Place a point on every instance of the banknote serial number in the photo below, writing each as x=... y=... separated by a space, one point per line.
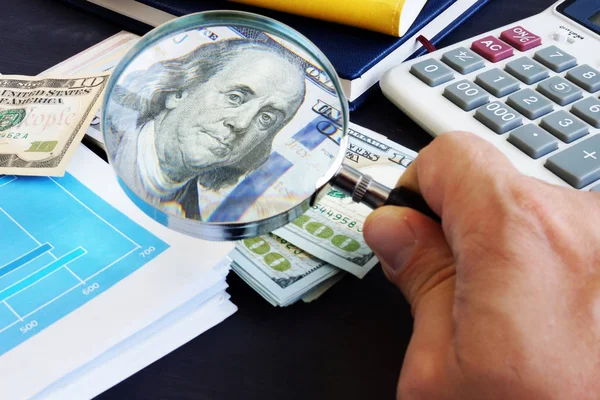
x=290 y=247
x=337 y=217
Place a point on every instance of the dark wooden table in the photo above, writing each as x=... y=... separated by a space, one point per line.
x=347 y=345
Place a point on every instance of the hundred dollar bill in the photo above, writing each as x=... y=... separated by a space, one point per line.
x=332 y=229
x=277 y=270
x=42 y=120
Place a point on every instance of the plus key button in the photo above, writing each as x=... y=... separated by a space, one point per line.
x=492 y=48
x=578 y=165
x=520 y=38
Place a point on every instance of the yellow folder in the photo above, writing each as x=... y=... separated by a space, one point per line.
x=392 y=17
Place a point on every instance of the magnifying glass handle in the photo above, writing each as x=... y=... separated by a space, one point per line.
x=364 y=189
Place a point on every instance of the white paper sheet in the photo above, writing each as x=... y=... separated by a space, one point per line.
x=172 y=279
x=174 y=331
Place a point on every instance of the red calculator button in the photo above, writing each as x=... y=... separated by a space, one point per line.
x=520 y=38
x=492 y=48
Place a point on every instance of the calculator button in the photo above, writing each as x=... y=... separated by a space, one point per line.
x=533 y=140
x=578 y=165
x=555 y=59
x=565 y=126
x=463 y=60
x=526 y=70
x=498 y=117
x=560 y=91
x=595 y=189
x=529 y=103
x=466 y=95
x=432 y=72
x=497 y=82
x=520 y=38
x=492 y=49
x=586 y=77
x=588 y=110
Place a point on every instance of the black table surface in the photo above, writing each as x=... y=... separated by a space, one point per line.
x=349 y=344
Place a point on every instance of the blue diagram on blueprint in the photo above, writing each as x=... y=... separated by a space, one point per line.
x=61 y=246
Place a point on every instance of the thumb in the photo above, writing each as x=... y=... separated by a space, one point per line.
x=415 y=256
x=412 y=250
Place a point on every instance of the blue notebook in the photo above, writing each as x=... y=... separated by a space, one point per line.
x=359 y=56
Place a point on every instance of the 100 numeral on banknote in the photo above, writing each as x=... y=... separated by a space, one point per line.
x=42 y=120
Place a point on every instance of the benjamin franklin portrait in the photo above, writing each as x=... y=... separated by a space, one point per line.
x=203 y=120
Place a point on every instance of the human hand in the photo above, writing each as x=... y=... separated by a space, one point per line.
x=505 y=293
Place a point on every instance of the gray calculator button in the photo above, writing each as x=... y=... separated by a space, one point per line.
x=466 y=95
x=497 y=82
x=588 y=110
x=533 y=140
x=526 y=70
x=559 y=90
x=555 y=59
x=463 y=60
x=432 y=72
x=498 y=117
x=578 y=165
x=586 y=77
x=595 y=189
x=529 y=103
x=565 y=126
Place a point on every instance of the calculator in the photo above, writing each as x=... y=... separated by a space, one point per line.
x=531 y=88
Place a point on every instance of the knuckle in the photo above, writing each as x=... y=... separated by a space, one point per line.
x=457 y=136
x=466 y=150
x=445 y=143
x=459 y=141
x=463 y=161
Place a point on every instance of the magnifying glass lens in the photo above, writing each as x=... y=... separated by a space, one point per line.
x=223 y=125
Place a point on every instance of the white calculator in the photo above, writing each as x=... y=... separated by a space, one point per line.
x=531 y=88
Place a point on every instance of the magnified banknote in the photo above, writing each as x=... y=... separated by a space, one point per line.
x=42 y=120
x=227 y=124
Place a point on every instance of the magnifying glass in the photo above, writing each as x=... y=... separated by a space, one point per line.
x=226 y=125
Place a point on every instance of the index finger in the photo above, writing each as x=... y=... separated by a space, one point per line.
x=458 y=174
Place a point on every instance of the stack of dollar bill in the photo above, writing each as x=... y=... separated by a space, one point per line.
x=299 y=261
x=305 y=258
x=281 y=272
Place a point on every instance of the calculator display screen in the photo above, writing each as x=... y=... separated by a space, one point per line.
x=582 y=12
x=595 y=19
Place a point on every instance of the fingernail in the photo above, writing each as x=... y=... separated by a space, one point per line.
x=391 y=237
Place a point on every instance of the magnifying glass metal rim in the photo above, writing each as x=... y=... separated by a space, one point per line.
x=232 y=230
